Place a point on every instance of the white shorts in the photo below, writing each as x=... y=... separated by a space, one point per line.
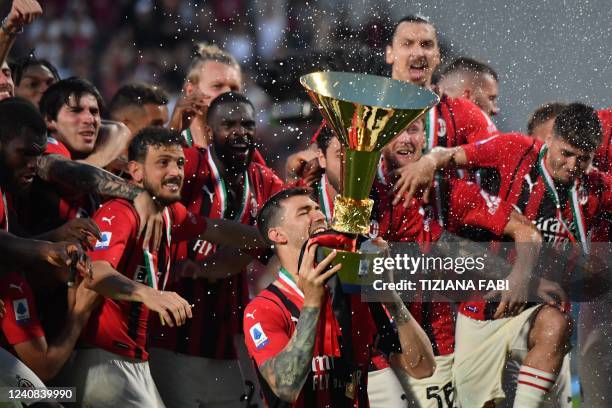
x=385 y=390
x=107 y=380
x=432 y=392
x=190 y=382
x=482 y=348
x=15 y=374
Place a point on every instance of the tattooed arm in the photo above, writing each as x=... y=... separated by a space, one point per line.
x=417 y=358
x=84 y=178
x=286 y=372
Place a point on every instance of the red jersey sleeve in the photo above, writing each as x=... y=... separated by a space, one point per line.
x=266 y=329
x=196 y=170
x=185 y=224
x=20 y=322
x=258 y=158
x=270 y=182
x=472 y=206
x=54 y=146
x=490 y=152
x=117 y=226
x=472 y=124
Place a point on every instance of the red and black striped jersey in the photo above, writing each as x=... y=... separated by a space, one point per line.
x=122 y=327
x=269 y=323
x=456 y=121
x=526 y=184
x=219 y=304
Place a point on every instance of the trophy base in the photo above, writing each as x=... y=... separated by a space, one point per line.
x=352 y=216
x=357 y=267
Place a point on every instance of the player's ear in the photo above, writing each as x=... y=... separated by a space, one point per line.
x=277 y=235
x=51 y=125
x=389 y=58
x=189 y=88
x=466 y=93
x=136 y=171
x=321 y=158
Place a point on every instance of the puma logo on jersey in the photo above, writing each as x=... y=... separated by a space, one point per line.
x=108 y=219
x=18 y=287
x=530 y=183
x=251 y=315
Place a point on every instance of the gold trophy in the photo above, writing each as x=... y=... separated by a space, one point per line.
x=366 y=112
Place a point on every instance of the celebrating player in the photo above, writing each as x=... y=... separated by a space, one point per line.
x=221 y=181
x=133 y=280
x=550 y=185
x=291 y=331
x=471 y=79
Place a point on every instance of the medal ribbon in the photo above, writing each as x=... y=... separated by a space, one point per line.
x=324 y=198
x=151 y=258
x=431 y=136
x=188 y=137
x=574 y=203
x=380 y=172
x=288 y=280
x=221 y=190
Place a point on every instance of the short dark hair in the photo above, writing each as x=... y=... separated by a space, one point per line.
x=411 y=18
x=579 y=125
x=324 y=138
x=151 y=136
x=228 y=97
x=57 y=95
x=138 y=94
x=20 y=65
x=18 y=115
x=470 y=65
x=269 y=214
x=544 y=113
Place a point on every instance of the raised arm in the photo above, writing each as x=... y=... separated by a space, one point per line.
x=232 y=233
x=287 y=371
x=418 y=176
x=84 y=178
x=113 y=139
x=23 y=12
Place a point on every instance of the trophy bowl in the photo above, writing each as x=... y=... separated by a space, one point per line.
x=366 y=112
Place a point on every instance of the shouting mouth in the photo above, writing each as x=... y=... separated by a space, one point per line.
x=174 y=185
